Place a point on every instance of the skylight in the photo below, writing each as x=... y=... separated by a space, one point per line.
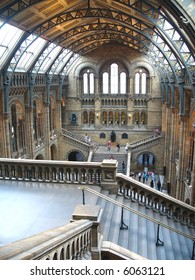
x=9 y=36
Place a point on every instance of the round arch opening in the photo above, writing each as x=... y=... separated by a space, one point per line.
x=146 y=159
x=75 y=156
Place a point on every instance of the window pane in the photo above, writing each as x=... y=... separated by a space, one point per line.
x=50 y=57
x=85 y=83
x=144 y=83
x=137 y=78
x=105 y=82
x=9 y=36
x=91 y=82
x=114 y=78
x=30 y=54
x=123 y=83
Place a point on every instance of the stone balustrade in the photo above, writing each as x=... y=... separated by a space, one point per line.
x=156 y=200
x=69 y=242
x=154 y=139
x=68 y=172
x=103 y=174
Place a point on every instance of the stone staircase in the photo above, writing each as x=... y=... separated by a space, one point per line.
x=141 y=235
x=102 y=153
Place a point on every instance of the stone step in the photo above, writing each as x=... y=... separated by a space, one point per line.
x=141 y=235
x=115 y=225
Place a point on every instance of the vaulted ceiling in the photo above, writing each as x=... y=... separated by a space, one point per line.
x=161 y=30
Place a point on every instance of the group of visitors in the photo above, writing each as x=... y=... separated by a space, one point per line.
x=145 y=176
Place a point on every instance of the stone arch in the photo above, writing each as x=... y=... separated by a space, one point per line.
x=145 y=158
x=122 y=62
x=84 y=65
x=39 y=157
x=76 y=155
x=142 y=64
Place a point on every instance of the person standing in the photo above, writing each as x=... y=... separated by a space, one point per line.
x=127 y=147
x=108 y=146
x=139 y=176
x=117 y=147
x=159 y=185
x=123 y=167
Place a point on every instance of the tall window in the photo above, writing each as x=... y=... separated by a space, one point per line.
x=123 y=83
x=114 y=81
x=105 y=83
x=88 y=82
x=114 y=78
x=140 y=82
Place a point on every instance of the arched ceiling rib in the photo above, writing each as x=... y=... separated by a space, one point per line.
x=82 y=26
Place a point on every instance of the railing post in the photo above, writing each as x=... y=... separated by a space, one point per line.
x=123 y=225
x=109 y=169
x=83 y=192
x=193 y=251
x=158 y=241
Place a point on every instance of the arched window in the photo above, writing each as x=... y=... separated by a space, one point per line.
x=137 y=85
x=114 y=79
x=88 y=82
x=140 y=82
x=123 y=83
x=105 y=83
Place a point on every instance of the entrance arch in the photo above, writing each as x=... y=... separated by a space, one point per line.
x=146 y=159
x=75 y=156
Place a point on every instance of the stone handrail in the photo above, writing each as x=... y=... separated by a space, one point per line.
x=150 y=140
x=156 y=220
x=76 y=140
x=156 y=200
x=69 y=242
x=51 y=171
x=103 y=174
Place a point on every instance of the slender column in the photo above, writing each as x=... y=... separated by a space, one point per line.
x=128 y=169
x=171 y=176
x=58 y=107
x=163 y=91
x=46 y=131
x=167 y=142
x=166 y=93
x=172 y=88
x=29 y=131
x=6 y=131
x=193 y=177
x=180 y=192
x=7 y=143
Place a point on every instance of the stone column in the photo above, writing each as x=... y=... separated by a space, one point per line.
x=109 y=168
x=193 y=178
x=46 y=131
x=6 y=149
x=29 y=131
x=167 y=142
x=180 y=191
x=171 y=176
x=58 y=116
x=128 y=169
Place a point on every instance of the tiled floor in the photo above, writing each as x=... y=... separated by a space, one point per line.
x=27 y=208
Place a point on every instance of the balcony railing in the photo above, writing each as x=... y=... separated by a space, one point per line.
x=103 y=174
x=69 y=242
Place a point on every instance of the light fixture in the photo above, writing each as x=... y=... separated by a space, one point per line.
x=129 y=116
x=97 y=115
